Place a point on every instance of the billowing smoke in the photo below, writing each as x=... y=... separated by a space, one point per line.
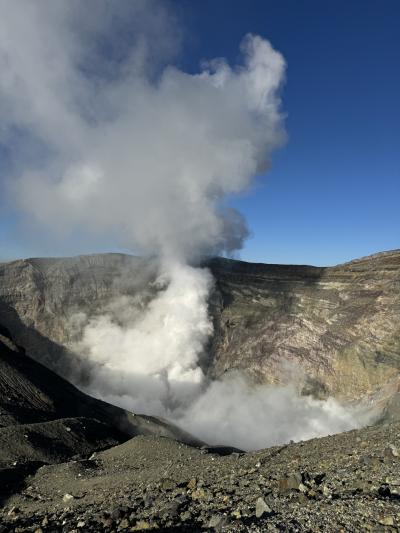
x=107 y=137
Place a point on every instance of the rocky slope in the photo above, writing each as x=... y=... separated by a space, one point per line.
x=347 y=482
x=45 y=419
x=339 y=325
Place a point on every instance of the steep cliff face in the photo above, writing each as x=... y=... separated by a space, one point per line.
x=38 y=297
x=339 y=325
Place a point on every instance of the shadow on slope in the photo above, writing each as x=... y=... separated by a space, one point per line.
x=45 y=419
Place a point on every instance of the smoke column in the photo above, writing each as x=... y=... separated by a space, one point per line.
x=107 y=137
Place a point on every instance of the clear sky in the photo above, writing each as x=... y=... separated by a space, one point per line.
x=333 y=191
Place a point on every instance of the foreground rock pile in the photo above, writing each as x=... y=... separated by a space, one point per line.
x=346 y=482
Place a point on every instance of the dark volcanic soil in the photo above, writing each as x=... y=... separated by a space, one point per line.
x=346 y=482
x=32 y=394
x=46 y=420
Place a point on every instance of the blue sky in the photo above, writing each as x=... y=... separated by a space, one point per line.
x=333 y=191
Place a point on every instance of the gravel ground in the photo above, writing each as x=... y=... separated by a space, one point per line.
x=345 y=482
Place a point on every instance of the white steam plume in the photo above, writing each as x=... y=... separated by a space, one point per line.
x=252 y=417
x=145 y=157
x=108 y=137
x=149 y=360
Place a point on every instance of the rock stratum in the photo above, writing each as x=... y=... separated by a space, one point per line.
x=338 y=325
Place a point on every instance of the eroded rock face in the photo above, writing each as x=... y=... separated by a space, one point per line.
x=38 y=297
x=340 y=325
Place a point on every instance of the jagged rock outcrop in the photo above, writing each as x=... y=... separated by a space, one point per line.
x=340 y=325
